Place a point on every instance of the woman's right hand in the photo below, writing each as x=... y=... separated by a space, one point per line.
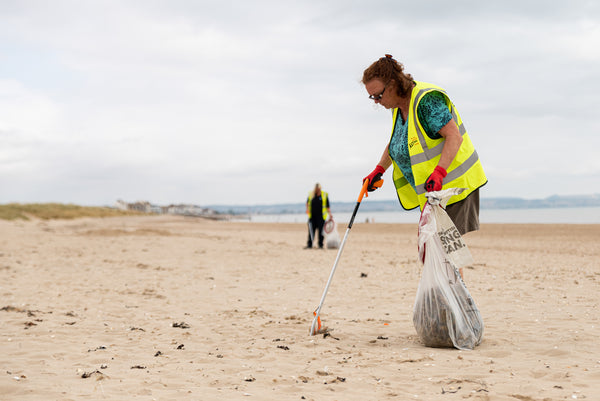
x=374 y=177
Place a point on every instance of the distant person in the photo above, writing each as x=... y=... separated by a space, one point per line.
x=429 y=145
x=317 y=208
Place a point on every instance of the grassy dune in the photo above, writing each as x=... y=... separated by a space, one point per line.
x=47 y=211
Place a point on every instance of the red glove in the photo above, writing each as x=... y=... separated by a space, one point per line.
x=434 y=182
x=374 y=177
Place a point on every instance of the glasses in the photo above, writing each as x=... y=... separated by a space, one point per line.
x=379 y=96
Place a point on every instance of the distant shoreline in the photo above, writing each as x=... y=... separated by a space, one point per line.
x=581 y=215
x=393 y=205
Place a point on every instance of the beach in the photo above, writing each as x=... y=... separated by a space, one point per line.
x=176 y=308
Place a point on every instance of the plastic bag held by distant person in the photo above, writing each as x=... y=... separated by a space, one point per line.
x=332 y=238
x=444 y=314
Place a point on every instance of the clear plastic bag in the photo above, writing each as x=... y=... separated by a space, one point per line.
x=444 y=313
x=332 y=238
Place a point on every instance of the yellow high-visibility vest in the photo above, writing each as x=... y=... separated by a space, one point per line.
x=311 y=195
x=465 y=171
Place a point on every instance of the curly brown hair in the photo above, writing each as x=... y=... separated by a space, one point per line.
x=387 y=69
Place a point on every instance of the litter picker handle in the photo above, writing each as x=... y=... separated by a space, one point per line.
x=363 y=192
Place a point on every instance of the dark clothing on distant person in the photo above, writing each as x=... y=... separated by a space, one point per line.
x=317 y=216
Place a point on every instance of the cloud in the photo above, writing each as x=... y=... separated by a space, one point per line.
x=252 y=102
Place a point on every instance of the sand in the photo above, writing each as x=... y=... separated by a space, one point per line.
x=174 y=308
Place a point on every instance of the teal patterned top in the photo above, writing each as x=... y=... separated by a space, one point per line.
x=433 y=114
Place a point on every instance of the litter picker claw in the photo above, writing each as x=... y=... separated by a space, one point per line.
x=316 y=323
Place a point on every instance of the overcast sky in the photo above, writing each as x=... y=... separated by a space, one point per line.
x=252 y=102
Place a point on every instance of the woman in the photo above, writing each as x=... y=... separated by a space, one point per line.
x=429 y=146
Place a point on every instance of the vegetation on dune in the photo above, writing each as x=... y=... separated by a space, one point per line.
x=47 y=211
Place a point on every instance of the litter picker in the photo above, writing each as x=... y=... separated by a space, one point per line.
x=310 y=232
x=316 y=323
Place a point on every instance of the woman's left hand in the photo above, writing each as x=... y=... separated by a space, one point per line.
x=436 y=179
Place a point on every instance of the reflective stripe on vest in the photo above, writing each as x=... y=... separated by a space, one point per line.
x=465 y=171
x=311 y=195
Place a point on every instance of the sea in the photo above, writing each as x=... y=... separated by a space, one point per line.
x=577 y=215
